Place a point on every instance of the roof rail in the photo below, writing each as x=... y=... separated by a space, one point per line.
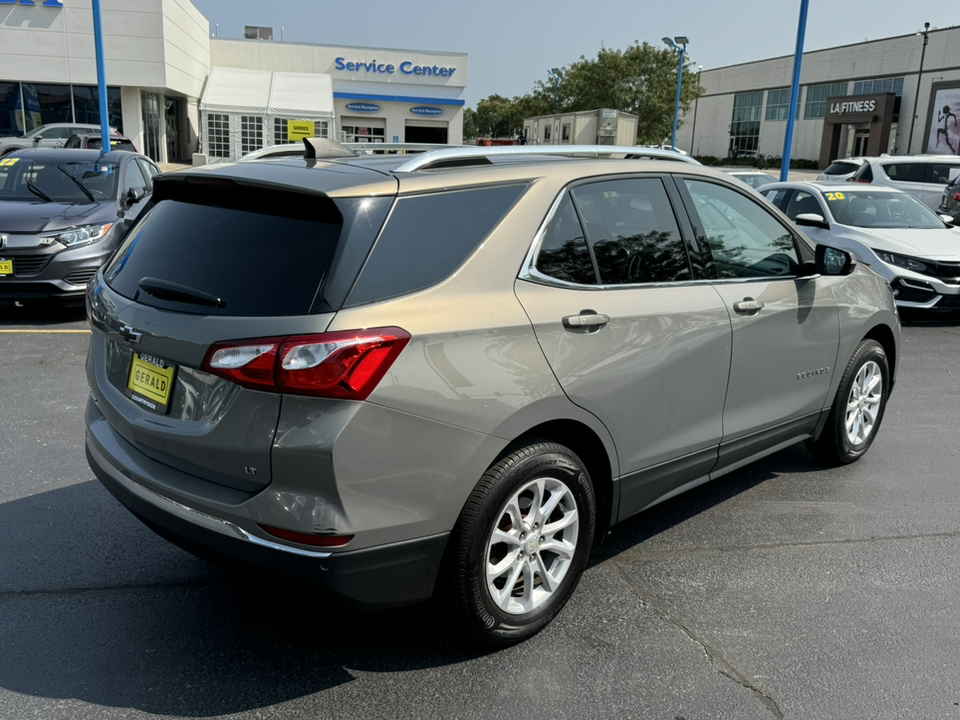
x=460 y=156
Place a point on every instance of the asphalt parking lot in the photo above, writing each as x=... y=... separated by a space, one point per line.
x=783 y=590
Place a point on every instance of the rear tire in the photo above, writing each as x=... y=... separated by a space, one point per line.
x=857 y=409
x=520 y=544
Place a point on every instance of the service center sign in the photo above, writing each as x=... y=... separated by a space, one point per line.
x=45 y=3
x=405 y=68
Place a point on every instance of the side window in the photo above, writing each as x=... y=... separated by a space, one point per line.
x=427 y=237
x=942 y=173
x=803 y=202
x=744 y=239
x=150 y=171
x=133 y=179
x=905 y=172
x=777 y=197
x=563 y=252
x=633 y=232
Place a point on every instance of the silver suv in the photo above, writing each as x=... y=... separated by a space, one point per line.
x=923 y=176
x=448 y=374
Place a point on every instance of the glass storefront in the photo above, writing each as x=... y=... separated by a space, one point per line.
x=48 y=103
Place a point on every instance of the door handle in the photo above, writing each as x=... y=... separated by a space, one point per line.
x=587 y=319
x=748 y=306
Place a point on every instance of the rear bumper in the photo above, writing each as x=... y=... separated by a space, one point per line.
x=386 y=575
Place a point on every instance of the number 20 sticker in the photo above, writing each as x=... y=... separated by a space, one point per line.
x=834 y=195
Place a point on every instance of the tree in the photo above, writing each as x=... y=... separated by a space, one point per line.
x=469 y=123
x=493 y=117
x=641 y=80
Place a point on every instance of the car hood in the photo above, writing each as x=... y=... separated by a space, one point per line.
x=930 y=243
x=35 y=217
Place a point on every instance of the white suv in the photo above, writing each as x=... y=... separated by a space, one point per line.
x=923 y=176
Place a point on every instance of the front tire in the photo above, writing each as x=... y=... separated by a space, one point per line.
x=521 y=543
x=857 y=409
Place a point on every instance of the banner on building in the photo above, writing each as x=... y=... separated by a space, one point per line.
x=943 y=126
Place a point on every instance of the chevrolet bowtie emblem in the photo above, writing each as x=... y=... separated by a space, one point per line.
x=130 y=335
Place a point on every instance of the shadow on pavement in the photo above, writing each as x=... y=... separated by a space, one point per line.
x=41 y=314
x=94 y=607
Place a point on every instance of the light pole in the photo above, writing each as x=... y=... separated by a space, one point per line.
x=679 y=45
x=916 y=97
x=556 y=74
x=696 y=102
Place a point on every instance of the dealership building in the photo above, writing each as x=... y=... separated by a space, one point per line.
x=898 y=95
x=182 y=95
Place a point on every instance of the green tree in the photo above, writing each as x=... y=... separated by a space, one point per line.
x=469 y=123
x=493 y=116
x=641 y=80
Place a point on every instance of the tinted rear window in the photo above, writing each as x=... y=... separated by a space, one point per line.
x=427 y=237
x=841 y=168
x=257 y=264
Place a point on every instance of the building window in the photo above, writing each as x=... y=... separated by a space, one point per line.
x=778 y=103
x=565 y=133
x=280 y=131
x=745 y=127
x=817 y=95
x=879 y=85
x=546 y=132
x=355 y=133
x=251 y=133
x=218 y=135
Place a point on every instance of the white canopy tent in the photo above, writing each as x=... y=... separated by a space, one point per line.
x=245 y=110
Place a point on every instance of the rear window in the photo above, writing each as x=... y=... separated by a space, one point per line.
x=427 y=237
x=864 y=174
x=253 y=262
x=841 y=168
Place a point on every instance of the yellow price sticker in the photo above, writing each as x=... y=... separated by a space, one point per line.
x=834 y=195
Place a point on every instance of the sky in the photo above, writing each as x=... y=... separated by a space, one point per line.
x=510 y=46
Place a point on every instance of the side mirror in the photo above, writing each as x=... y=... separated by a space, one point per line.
x=947 y=219
x=832 y=261
x=37 y=139
x=812 y=220
x=135 y=195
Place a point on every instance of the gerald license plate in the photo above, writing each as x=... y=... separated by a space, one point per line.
x=151 y=382
x=6 y=267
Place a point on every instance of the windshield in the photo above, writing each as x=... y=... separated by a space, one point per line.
x=52 y=180
x=866 y=209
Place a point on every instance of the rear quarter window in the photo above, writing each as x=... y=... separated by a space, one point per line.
x=427 y=237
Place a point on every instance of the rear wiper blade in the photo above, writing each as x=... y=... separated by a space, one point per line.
x=78 y=183
x=38 y=192
x=166 y=290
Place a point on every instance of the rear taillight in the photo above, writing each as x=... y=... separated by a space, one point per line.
x=862 y=181
x=346 y=364
x=956 y=197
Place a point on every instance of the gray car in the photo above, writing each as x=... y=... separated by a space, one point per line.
x=62 y=214
x=447 y=375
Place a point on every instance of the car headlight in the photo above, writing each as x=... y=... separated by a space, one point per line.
x=903 y=261
x=77 y=236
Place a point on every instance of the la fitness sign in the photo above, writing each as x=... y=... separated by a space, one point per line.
x=45 y=3
x=861 y=106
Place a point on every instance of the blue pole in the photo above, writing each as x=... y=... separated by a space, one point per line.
x=794 y=91
x=676 y=109
x=101 y=79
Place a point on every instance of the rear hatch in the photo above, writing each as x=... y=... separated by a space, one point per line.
x=216 y=260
